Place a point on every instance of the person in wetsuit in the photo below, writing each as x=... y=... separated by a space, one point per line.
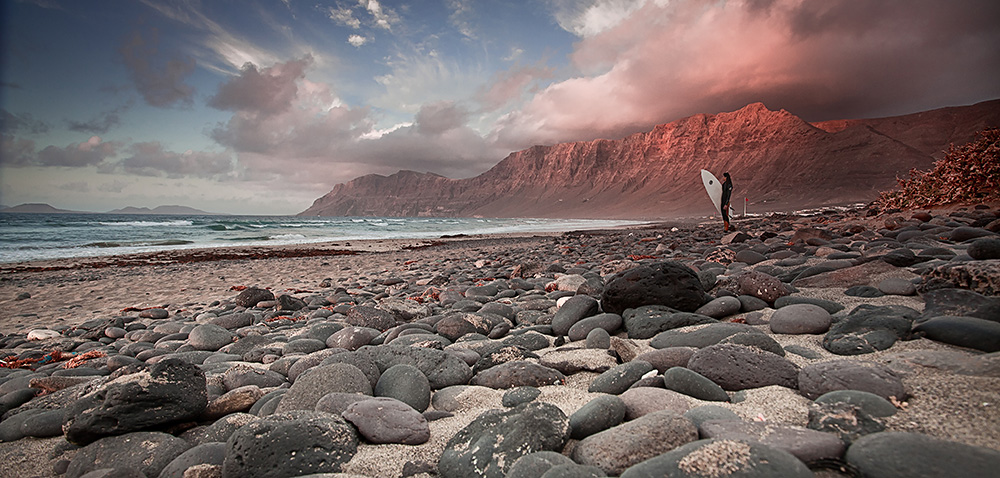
x=727 y=192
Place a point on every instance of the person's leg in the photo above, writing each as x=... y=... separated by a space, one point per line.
x=725 y=217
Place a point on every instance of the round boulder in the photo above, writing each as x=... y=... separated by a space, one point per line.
x=290 y=444
x=903 y=454
x=667 y=283
x=387 y=420
x=405 y=383
x=801 y=319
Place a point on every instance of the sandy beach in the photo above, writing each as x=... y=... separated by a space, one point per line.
x=962 y=406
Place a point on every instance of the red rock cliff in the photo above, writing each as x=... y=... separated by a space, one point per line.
x=776 y=159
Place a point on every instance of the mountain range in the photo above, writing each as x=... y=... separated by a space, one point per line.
x=777 y=160
x=41 y=208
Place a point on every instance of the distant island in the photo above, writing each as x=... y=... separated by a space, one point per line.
x=172 y=209
x=41 y=208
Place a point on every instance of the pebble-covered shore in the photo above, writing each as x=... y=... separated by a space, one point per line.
x=838 y=344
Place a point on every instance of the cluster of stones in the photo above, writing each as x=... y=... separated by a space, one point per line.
x=292 y=385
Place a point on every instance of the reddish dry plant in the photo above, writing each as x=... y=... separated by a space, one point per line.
x=969 y=173
x=638 y=257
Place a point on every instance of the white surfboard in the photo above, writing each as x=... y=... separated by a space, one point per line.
x=714 y=188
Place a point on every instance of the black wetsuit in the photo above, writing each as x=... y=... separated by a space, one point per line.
x=727 y=191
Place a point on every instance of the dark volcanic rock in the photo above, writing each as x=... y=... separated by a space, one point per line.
x=321 y=380
x=645 y=322
x=213 y=453
x=738 y=367
x=807 y=445
x=800 y=319
x=985 y=248
x=819 y=378
x=597 y=415
x=489 y=445
x=903 y=454
x=518 y=373
x=721 y=458
x=572 y=311
x=167 y=392
x=665 y=283
x=250 y=297
x=535 y=465
x=960 y=302
x=364 y=316
x=615 y=449
x=701 y=336
x=978 y=276
x=290 y=444
x=620 y=378
x=407 y=384
x=760 y=285
x=607 y=322
x=694 y=384
x=145 y=452
x=869 y=328
x=441 y=368
x=979 y=334
x=387 y=420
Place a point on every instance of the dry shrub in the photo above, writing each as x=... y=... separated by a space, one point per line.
x=969 y=173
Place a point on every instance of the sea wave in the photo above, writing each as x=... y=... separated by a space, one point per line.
x=176 y=223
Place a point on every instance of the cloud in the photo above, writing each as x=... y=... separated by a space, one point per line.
x=357 y=40
x=92 y=152
x=219 y=49
x=384 y=18
x=23 y=123
x=440 y=117
x=151 y=159
x=268 y=91
x=461 y=17
x=512 y=85
x=115 y=186
x=585 y=18
x=344 y=16
x=76 y=186
x=315 y=140
x=161 y=83
x=819 y=60
x=100 y=124
x=16 y=151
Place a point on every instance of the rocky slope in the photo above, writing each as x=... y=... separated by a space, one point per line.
x=777 y=160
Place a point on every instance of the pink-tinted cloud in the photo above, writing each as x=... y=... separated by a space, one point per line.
x=92 y=152
x=511 y=86
x=159 y=81
x=267 y=91
x=819 y=60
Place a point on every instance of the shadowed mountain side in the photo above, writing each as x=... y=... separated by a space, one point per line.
x=776 y=159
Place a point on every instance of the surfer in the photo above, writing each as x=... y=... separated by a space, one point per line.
x=727 y=191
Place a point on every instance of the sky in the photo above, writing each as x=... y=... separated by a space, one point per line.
x=262 y=106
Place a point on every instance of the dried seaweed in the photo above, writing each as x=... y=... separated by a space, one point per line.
x=969 y=173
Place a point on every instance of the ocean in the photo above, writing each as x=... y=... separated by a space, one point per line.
x=28 y=237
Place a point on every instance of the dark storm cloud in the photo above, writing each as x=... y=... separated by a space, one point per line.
x=819 y=60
